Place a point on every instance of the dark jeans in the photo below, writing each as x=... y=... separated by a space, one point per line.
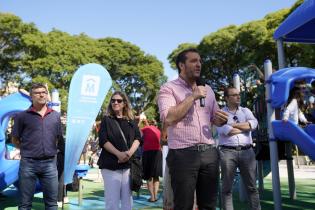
x=194 y=171
x=46 y=172
x=246 y=162
x=61 y=188
x=60 y=168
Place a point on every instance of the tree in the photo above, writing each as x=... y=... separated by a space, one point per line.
x=53 y=58
x=12 y=29
x=172 y=57
x=137 y=74
x=233 y=49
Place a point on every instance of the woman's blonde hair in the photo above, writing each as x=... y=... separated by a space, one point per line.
x=127 y=110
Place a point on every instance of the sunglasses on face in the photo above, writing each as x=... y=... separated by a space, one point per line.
x=116 y=100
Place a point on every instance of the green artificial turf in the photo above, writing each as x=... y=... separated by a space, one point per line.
x=305 y=190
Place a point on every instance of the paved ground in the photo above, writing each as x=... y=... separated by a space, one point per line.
x=303 y=172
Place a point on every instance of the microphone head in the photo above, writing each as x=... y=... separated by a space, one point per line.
x=200 y=81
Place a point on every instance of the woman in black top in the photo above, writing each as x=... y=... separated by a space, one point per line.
x=115 y=155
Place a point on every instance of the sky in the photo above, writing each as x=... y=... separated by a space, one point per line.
x=157 y=27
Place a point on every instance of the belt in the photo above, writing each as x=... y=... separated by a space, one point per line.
x=238 y=148
x=41 y=158
x=200 y=147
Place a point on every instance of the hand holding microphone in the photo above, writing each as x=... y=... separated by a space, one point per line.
x=201 y=91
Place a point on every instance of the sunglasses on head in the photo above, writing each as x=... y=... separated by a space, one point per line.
x=116 y=100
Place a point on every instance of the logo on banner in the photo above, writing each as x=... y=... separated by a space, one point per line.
x=90 y=85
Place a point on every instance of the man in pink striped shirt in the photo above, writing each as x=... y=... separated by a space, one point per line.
x=192 y=159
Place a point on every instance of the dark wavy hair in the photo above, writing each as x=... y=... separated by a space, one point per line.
x=298 y=94
x=181 y=57
x=127 y=110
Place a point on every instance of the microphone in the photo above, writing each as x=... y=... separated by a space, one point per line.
x=201 y=82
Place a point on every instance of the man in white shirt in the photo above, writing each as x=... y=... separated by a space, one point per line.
x=236 y=151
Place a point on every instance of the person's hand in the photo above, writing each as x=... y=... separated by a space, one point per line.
x=199 y=92
x=220 y=118
x=129 y=154
x=122 y=157
x=307 y=123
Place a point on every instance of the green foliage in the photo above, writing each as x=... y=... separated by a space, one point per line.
x=137 y=74
x=233 y=49
x=151 y=113
x=172 y=57
x=12 y=49
x=220 y=53
x=29 y=55
x=296 y=5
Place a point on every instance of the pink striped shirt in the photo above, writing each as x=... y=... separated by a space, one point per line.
x=195 y=127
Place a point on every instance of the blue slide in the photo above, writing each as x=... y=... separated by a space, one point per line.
x=281 y=83
x=303 y=138
x=9 y=105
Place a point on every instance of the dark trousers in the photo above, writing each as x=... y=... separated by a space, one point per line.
x=194 y=171
x=61 y=188
x=60 y=168
x=44 y=170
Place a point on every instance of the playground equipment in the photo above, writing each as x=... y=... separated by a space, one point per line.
x=303 y=138
x=281 y=83
x=297 y=27
x=8 y=107
x=80 y=172
x=277 y=93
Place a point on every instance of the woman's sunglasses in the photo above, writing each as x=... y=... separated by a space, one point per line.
x=116 y=100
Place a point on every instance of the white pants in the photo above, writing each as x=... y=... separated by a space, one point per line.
x=117 y=191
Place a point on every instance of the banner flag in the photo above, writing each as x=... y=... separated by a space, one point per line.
x=88 y=89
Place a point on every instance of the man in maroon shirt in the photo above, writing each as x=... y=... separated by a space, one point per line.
x=36 y=132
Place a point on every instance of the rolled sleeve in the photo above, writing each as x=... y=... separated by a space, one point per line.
x=165 y=100
x=225 y=129
x=213 y=105
x=251 y=119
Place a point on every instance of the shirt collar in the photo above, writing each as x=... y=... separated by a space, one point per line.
x=183 y=82
x=228 y=110
x=32 y=109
